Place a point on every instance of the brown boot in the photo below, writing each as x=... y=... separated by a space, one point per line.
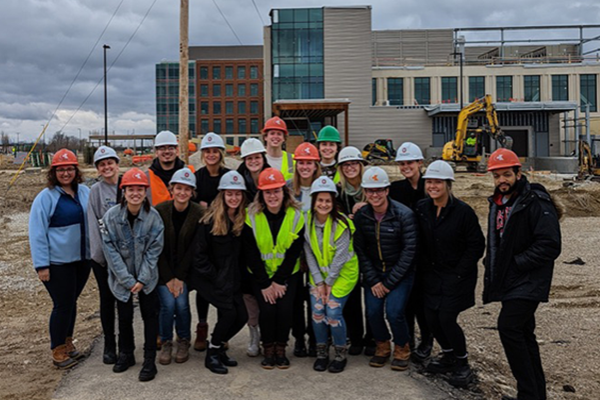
x=201 y=334
x=166 y=353
x=61 y=359
x=71 y=350
x=268 y=361
x=382 y=354
x=183 y=351
x=401 y=356
x=281 y=361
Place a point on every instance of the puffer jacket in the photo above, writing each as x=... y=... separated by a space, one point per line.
x=386 y=250
x=520 y=264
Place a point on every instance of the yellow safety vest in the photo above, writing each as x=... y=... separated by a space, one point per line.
x=271 y=253
x=287 y=165
x=336 y=177
x=348 y=277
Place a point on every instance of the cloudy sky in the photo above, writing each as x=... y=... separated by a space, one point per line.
x=44 y=43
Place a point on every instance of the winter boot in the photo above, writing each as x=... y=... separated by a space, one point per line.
x=339 y=362
x=109 y=356
x=443 y=363
x=281 y=361
x=462 y=374
x=148 y=371
x=300 y=348
x=322 y=360
x=356 y=349
x=123 y=363
x=61 y=359
x=71 y=350
x=312 y=348
x=254 y=343
x=370 y=348
x=401 y=356
x=225 y=359
x=268 y=361
x=183 y=351
x=422 y=352
x=382 y=354
x=201 y=334
x=166 y=353
x=213 y=361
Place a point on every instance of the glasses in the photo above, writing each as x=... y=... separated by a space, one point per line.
x=352 y=164
x=65 y=170
x=378 y=191
x=166 y=148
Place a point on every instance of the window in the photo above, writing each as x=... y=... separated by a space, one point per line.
x=204 y=107
x=228 y=72
x=560 y=87
x=588 y=91
x=254 y=89
x=216 y=73
x=204 y=126
x=449 y=89
x=422 y=91
x=531 y=86
x=241 y=125
x=254 y=125
x=504 y=88
x=476 y=87
x=241 y=107
x=395 y=91
x=241 y=90
x=217 y=90
x=203 y=72
x=229 y=125
x=373 y=91
x=254 y=107
x=241 y=72
x=253 y=72
x=229 y=107
x=217 y=126
x=217 y=107
x=229 y=90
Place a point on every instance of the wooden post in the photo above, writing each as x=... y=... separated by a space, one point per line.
x=183 y=81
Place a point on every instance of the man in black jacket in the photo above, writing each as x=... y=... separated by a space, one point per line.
x=386 y=244
x=523 y=241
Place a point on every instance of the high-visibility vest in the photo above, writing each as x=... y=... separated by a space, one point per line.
x=159 y=191
x=336 y=177
x=287 y=165
x=271 y=253
x=348 y=276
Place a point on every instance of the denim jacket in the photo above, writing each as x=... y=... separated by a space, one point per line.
x=131 y=254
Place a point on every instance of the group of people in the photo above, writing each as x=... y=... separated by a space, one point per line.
x=293 y=244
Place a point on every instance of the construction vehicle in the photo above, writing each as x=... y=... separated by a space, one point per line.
x=379 y=152
x=467 y=146
x=589 y=164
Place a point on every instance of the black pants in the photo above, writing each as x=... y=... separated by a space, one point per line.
x=355 y=319
x=275 y=320
x=516 y=325
x=201 y=307
x=302 y=312
x=230 y=321
x=446 y=330
x=108 y=304
x=415 y=311
x=65 y=285
x=149 y=307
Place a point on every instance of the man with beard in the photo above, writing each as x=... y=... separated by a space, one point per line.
x=523 y=241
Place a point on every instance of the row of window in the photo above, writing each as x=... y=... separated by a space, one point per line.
x=216 y=125
x=172 y=89
x=171 y=71
x=241 y=72
x=229 y=107
x=217 y=92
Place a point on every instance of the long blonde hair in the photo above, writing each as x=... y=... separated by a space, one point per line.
x=344 y=181
x=221 y=161
x=259 y=205
x=217 y=214
x=296 y=178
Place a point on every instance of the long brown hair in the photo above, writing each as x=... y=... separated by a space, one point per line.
x=343 y=180
x=218 y=216
x=296 y=178
x=52 y=180
x=258 y=205
x=336 y=214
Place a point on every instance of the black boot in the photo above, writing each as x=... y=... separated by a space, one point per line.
x=370 y=348
x=356 y=347
x=281 y=361
x=339 y=362
x=110 y=350
x=225 y=359
x=123 y=363
x=312 y=348
x=422 y=352
x=300 y=348
x=268 y=361
x=322 y=360
x=148 y=371
x=442 y=364
x=213 y=361
x=462 y=374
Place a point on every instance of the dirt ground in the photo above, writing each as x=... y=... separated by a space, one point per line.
x=567 y=327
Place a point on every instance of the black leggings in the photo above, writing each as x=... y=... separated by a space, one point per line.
x=149 y=307
x=302 y=313
x=108 y=303
x=230 y=320
x=275 y=320
x=201 y=307
x=446 y=330
x=415 y=310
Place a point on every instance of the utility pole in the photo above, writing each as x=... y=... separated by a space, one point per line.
x=183 y=81
x=105 y=47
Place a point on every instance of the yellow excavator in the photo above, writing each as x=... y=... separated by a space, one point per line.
x=466 y=148
x=589 y=164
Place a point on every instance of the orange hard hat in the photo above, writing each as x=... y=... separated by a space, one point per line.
x=192 y=147
x=134 y=177
x=503 y=158
x=306 y=152
x=64 y=157
x=275 y=124
x=270 y=178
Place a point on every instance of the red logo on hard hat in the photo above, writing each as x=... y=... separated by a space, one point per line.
x=404 y=149
x=375 y=178
x=323 y=181
x=235 y=178
x=102 y=151
x=187 y=174
x=209 y=138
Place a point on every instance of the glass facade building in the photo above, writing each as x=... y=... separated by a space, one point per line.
x=167 y=97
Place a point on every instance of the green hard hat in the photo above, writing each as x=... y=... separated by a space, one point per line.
x=329 y=134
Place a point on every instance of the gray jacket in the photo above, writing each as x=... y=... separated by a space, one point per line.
x=102 y=197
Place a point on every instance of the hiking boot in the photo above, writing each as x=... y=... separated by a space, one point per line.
x=370 y=348
x=225 y=359
x=281 y=361
x=148 y=371
x=254 y=343
x=322 y=360
x=123 y=363
x=300 y=349
x=213 y=361
x=72 y=351
x=158 y=342
x=401 y=357
x=183 y=351
x=462 y=374
x=201 y=334
x=166 y=353
x=442 y=364
x=109 y=356
x=382 y=354
x=268 y=361
x=61 y=359
x=339 y=361
x=422 y=352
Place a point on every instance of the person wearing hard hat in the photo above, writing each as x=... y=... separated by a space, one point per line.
x=451 y=245
x=274 y=134
x=333 y=267
x=524 y=240
x=273 y=248
x=132 y=241
x=166 y=163
x=103 y=195
x=329 y=144
x=386 y=244
x=59 y=243
x=409 y=191
x=216 y=270
x=180 y=217
x=306 y=170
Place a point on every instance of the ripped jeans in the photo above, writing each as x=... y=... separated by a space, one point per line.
x=329 y=315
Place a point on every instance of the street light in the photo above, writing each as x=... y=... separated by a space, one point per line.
x=105 y=99
x=80 y=146
x=460 y=41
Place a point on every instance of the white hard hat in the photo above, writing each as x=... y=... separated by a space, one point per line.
x=409 y=152
x=184 y=176
x=323 y=184
x=210 y=140
x=165 y=138
x=252 y=146
x=439 y=170
x=350 y=153
x=375 y=177
x=232 y=180
x=105 y=152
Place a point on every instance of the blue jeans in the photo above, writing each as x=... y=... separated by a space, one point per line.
x=331 y=314
x=394 y=303
x=174 y=310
